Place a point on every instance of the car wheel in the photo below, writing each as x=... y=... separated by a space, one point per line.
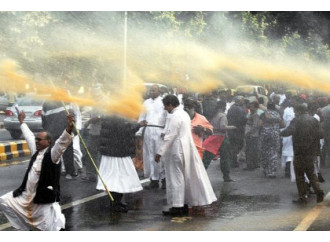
x=16 y=134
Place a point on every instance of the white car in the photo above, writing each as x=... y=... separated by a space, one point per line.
x=32 y=107
x=4 y=101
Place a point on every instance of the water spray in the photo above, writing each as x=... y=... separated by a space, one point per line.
x=86 y=149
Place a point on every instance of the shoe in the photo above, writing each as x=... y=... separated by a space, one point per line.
x=311 y=192
x=123 y=205
x=88 y=179
x=174 y=211
x=185 y=209
x=229 y=180
x=68 y=177
x=163 y=186
x=152 y=185
x=302 y=201
x=116 y=207
x=271 y=176
x=319 y=197
x=320 y=177
x=216 y=157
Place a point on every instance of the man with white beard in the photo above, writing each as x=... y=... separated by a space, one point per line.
x=155 y=116
x=188 y=184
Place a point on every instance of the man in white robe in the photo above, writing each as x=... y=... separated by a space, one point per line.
x=34 y=205
x=187 y=181
x=155 y=116
x=287 y=147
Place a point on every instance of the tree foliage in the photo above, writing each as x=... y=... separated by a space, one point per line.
x=26 y=34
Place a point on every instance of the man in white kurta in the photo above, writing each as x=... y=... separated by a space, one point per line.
x=21 y=211
x=187 y=181
x=155 y=116
x=287 y=147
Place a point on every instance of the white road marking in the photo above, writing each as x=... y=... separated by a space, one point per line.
x=311 y=216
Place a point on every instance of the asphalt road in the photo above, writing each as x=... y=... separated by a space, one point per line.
x=251 y=203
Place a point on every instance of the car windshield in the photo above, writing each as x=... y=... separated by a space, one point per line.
x=248 y=90
x=29 y=102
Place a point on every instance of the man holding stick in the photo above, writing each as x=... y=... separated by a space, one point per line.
x=34 y=205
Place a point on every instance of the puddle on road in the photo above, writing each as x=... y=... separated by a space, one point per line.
x=233 y=205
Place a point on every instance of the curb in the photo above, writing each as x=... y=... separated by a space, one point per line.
x=11 y=150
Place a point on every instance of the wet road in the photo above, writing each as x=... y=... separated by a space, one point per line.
x=251 y=203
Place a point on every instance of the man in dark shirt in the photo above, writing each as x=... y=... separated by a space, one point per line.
x=306 y=133
x=237 y=117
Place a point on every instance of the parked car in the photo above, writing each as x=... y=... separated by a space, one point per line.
x=4 y=101
x=251 y=91
x=32 y=106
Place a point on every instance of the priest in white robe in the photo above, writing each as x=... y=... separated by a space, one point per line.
x=155 y=116
x=188 y=184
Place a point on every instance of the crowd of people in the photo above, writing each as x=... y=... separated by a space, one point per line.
x=181 y=135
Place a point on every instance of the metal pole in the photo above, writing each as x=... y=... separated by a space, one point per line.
x=125 y=50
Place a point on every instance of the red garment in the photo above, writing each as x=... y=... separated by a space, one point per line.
x=202 y=121
x=212 y=143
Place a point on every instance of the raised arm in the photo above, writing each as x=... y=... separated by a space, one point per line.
x=63 y=141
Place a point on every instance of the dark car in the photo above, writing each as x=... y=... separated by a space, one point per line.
x=32 y=106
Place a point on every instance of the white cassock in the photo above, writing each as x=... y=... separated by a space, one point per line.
x=118 y=174
x=287 y=146
x=21 y=211
x=154 y=115
x=186 y=179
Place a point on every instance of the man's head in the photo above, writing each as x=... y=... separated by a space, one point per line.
x=254 y=105
x=300 y=109
x=221 y=105
x=170 y=102
x=154 y=91
x=276 y=99
x=271 y=106
x=239 y=100
x=43 y=140
x=190 y=107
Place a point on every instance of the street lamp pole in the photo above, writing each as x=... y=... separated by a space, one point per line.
x=125 y=50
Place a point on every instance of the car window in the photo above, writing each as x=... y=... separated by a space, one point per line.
x=247 y=90
x=29 y=102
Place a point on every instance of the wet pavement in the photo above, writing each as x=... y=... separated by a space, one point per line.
x=251 y=203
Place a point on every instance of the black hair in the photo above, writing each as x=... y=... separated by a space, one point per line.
x=221 y=105
x=271 y=105
x=171 y=99
x=300 y=108
x=49 y=137
x=254 y=104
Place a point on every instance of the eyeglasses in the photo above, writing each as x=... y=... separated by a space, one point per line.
x=39 y=139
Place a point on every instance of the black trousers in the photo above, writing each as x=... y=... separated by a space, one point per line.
x=305 y=164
